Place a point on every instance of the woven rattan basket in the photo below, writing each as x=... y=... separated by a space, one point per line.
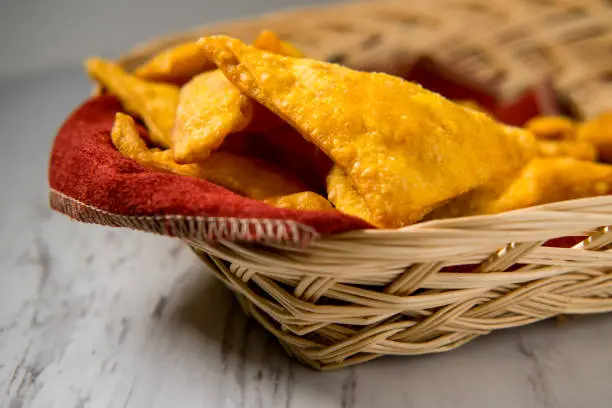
x=433 y=286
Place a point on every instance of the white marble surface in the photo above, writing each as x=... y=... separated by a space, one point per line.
x=97 y=318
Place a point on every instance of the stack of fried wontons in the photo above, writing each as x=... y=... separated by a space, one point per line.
x=272 y=125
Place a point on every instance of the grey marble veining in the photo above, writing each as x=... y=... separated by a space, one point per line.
x=93 y=317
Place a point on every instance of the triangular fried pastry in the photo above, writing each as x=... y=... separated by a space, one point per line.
x=211 y=108
x=306 y=201
x=154 y=103
x=175 y=65
x=405 y=149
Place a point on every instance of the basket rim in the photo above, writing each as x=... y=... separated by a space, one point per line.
x=562 y=211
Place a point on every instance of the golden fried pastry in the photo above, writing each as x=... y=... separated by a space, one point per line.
x=577 y=149
x=405 y=149
x=543 y=180
x=126 y=139
x=306 y=200
x=480 y=200
x=344 y=196
x=249 y=176
x=211 y=108
x=244 y=175
x=176 y=65
x=154 y=103
x=599 y=132
x=270 y=41
x=552 y=127
x=468 y=103
x=475 y=202
x=546 y=180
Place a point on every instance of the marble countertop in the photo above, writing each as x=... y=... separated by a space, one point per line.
x=92 y=317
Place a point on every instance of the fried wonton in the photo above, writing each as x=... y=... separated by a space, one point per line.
x=344 y=196
x=155 y=103
x=599 y=132
x=468 y=103
x=577 y=149
x=543 y=180
x=175 y=65
x=478 y=200
x=270 y=41
x=249 y=176
x=244 y=175
x=546 y=180
x=210 y=108
x=405 y=149
x=552 y=127
x=306 y=200
x=475 y=202
x=482 y=200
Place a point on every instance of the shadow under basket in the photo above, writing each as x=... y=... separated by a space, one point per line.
x=434 y=286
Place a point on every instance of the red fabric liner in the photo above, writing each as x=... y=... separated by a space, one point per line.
x=85 y=166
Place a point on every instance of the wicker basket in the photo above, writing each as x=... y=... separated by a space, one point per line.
x=433 y=286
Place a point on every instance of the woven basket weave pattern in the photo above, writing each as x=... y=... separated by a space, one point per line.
x=360 y=295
